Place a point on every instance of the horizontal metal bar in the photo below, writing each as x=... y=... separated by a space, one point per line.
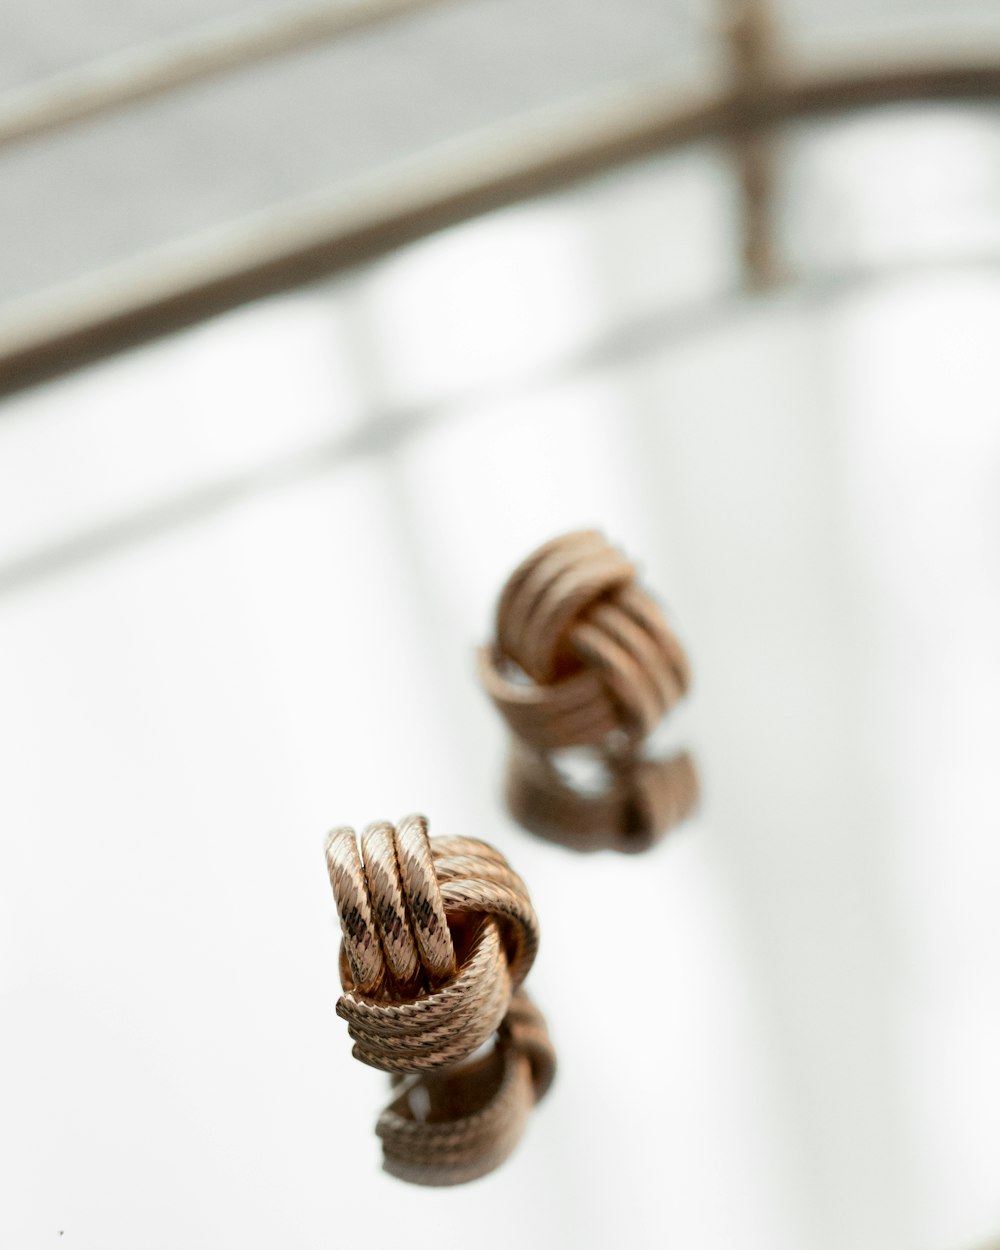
x=142 y=73
x=301 y=243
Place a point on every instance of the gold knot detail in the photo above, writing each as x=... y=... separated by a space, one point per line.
x=448 y=1127
x=581 y=650
x=437 y=936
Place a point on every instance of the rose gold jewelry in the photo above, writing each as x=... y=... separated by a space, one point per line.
x=640 y=800
x=584 y=657
x=456 y=1124
x=581 y=650
x=437 y=936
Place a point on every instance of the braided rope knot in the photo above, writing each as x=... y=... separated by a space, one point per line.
x=437 y=935
x=594 y=648
x=473 y=1115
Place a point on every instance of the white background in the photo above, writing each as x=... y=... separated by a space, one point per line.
x=242 y=574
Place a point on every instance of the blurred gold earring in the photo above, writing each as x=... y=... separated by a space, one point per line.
x=584 y=657
x=581 y=651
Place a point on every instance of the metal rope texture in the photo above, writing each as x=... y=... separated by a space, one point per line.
x=452 y=1126
x=437 y=936
x=581 y=650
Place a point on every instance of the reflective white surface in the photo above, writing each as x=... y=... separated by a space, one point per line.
x=243 y=574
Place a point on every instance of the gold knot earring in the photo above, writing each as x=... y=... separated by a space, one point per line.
x=437 y=936
x=581 y=650
x=584 y=657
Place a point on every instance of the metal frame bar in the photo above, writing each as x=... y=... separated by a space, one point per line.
x=306 y=241
x=139 y=74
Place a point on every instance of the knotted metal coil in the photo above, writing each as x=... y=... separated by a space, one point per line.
x=437 y=936
x=451 y=1126
x=581 y=650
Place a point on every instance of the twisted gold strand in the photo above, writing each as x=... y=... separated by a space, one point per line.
x=476 y=1112
x=437 y=935
x=593 y=650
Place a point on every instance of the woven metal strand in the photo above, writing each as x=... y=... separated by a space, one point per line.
x=437 y=936
x=473 y=1115
x=581 y=651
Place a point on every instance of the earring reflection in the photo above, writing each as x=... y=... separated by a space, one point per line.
x=584 y=659
x=454 y=1125
x=617 y=801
